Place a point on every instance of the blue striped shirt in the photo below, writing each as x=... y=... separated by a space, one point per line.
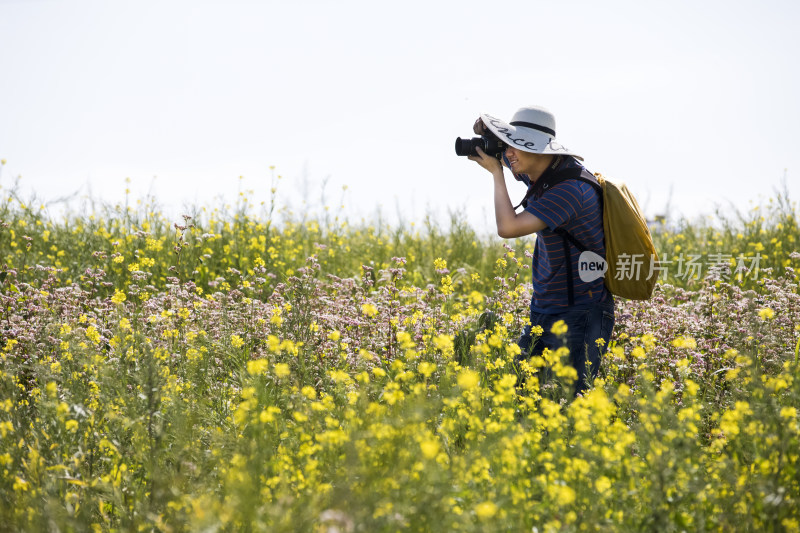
x=575 y=206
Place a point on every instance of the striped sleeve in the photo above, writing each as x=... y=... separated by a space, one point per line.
x=559 y=205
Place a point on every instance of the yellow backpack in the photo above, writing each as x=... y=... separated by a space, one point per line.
x=631 y=257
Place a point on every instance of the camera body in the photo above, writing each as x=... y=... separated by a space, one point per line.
x=488 y=142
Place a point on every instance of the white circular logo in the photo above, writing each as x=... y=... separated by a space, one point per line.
x=591 y=266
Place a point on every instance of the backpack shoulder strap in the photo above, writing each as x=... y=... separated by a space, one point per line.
x=586 y=177
x=571 y=238
x=541 y=186
x=566 y=237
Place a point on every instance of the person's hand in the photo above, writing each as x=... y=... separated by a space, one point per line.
x=479 y=127
x=492 y=164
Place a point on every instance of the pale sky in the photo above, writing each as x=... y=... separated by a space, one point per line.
x=692 y=104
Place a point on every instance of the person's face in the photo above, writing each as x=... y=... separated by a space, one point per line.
x=524 y=162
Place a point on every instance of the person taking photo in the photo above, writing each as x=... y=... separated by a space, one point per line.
x=559 y=211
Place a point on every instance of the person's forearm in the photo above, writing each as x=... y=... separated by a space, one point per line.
x=503 y=209
x=509 y=223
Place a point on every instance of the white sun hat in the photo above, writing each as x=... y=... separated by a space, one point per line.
x=532 y=129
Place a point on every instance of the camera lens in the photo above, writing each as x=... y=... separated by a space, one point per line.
x=489 y=143
x=466 y=147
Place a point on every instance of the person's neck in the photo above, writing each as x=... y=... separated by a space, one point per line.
x=545 y=163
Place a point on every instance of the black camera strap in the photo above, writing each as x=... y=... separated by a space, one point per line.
x=552 y=177
x=547 y=180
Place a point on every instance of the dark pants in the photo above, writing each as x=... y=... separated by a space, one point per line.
x=584 y=327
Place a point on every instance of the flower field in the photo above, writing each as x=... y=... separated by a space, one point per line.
x=237 y=370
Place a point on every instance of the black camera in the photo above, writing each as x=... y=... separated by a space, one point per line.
x=488 y=142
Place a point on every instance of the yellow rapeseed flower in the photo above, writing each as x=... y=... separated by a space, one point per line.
x=426 y=369
x=237 y=341
x=485 y=510
x=684 y=342
x=602 y=484
x=281 y=370
x=268 y=414
x=513 y=350
x=559 y=328
x=92 y=334
x=444 y=343
x=766 y=313
x=339 y=376
x=468 y=379
x=430 y=448
x=447 y=285
x=561 y=493
x=257 y=366
x=475 y=298
x=404 y=338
